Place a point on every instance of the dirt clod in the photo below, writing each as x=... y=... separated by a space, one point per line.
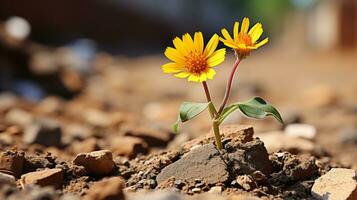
x=12 y=162
x=107 y=189
x=96 y=162
x=53 y=177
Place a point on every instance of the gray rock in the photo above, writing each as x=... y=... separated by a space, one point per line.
x=44 y=132
x=337 y=184
x=204 y=163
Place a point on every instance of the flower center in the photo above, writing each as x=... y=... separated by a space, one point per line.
x=196 y=63
x=245 y=39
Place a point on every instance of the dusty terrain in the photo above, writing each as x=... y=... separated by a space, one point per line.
x=114 y=139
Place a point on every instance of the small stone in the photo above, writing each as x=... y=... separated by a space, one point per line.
x=306 y=131
x=12 y=163
x=337 y=184
x=19 y=117
x=45 y=132
x=215 y=190
x=128 y=146
x=53 y=177
x=196 y=190
x=150 y=136
x=246 y=182
x=259 y=177
x=276 y=141
x=179 y=184
x=7 y=179
x=50 y=105
x=107 y=189
x=97 y=118
x=204 y=163
x=96 y=162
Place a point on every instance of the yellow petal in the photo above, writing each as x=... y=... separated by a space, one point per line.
x=217 y=57
x=211 y=45
x=172 y=68
x=179 y=45
x=211 y=73
x=228 y=44
x=182 y=75
x=187 y=40
x=261 y=43
x=256 y=32
x=174 y=55
x=235 y=31
x=226 y=34
x=194 y=78
x=245 y=25
x=198 y=41
x=203 y=77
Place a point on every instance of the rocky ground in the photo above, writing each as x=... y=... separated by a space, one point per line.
x=110 y=136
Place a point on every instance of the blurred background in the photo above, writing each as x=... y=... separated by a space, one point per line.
x=81 y=61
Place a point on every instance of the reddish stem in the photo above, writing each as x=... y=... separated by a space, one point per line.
x=205 y=86
x=229 y=85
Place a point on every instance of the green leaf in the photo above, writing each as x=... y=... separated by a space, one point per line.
x=256 y=108
x=188 y=110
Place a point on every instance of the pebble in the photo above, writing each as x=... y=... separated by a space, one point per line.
x=45 y=132
x=96 y=162
x=7 y=179
x=306 y=131
x=196 y=190
x=276 y=141
x=107 y=189
x=17 y=116
x=53 y=177
x=246 y=182
x=216 y=190
x=128 y=146
x=337 y=184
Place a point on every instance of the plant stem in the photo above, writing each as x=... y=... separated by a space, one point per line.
x=217 y=135
x=229 y=85
x=211 y=107
x=214 y=115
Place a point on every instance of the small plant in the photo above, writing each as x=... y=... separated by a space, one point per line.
x=193 y=60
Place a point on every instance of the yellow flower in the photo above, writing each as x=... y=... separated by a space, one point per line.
x=244 y=42
x=191 y=60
